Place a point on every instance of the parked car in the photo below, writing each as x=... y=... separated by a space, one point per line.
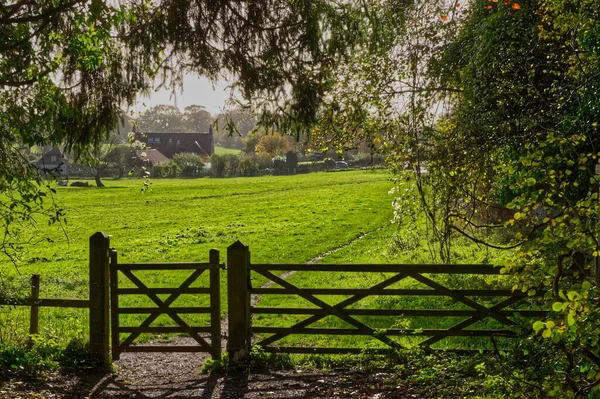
x=341 y=165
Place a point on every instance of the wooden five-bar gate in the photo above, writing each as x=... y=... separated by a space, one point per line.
x=476 y=305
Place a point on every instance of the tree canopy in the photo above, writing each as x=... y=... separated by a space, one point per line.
x=68 y=67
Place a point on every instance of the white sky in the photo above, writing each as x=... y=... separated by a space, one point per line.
x=196 y=91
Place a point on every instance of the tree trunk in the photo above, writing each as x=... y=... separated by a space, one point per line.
x=98 y=181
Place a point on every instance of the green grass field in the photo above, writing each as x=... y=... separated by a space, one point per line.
x=283 y=219
x=286 y=219
x=225 y=151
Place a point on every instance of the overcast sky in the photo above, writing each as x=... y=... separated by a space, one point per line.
x=196 y=91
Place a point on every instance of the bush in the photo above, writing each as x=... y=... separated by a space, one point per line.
x=218 y=165
x=329 y=164
x=291 y=158
x=232 y=163
x=38 y=355
x=165 y=170
x=248 y=166
x=189 y=164
x=279 y=166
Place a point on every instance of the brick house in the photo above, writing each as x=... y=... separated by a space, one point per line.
x=170 y=144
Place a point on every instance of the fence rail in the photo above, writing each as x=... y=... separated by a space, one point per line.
x=34 y=302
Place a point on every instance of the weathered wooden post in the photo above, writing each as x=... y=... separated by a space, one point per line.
x=34 y=310
x=238 y=306
x=215 y=305
x=99 y=297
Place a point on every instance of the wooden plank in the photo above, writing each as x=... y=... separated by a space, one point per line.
x=163 y=348
x=472 y=320
x=337 y=311
x=99 y=298
x=238 y=302
x=161 y=329
x=65 y=303
x=152 y=310
x=469 y=302
x=395 y=312
x=357 y=351
x=394 y=292
x=114 y=305
x=215 y=307
x=34 y=312
x=169 y=266
x=52 y=303
x=325 y=351
x=383 y=268
x=158 y=291
x=389 y=332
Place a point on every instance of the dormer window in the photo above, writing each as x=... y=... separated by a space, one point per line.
x=178 y=142
x=52 y=158
x=150 y=139
x=157 y=139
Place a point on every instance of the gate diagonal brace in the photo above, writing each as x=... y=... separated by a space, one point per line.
x=164 y=308
x=472 y=320
x=489 y=312
x=336 y=310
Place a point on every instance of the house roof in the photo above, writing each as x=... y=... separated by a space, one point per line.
x=170 y=144
x=53 y=151
x=152 y=156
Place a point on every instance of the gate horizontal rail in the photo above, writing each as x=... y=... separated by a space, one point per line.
x=383 y=268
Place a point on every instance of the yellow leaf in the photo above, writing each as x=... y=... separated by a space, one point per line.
x=547 y=333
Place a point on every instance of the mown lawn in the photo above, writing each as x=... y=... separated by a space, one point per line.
x=225 y=151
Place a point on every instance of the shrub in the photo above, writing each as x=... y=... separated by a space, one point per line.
x=248 y=166
x=218 y=165
x=329 y=164
x=189 y=164
x=279 y=166
x=291 y=158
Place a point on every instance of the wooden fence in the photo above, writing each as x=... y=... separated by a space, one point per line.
x=34 y=302
x=104 y=292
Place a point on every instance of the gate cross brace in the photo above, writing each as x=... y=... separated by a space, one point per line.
x=163 y=307
x=336 y=310
x=471 y=320
x=489 y=312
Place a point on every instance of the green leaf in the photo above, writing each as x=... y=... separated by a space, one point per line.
x=547 y=333
x=570 y=319
x=538 y=325
x=573 y=295
x=557 y=306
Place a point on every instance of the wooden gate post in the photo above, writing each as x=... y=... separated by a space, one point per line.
x=238 y=301
x=99 y=297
